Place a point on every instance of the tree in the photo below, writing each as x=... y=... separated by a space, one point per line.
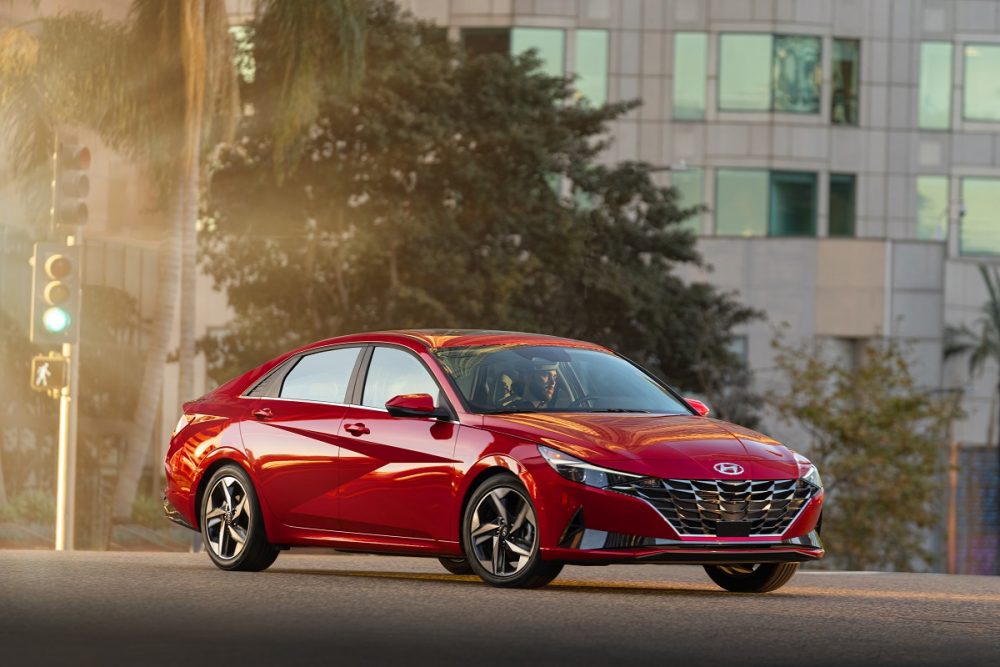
x=454 y=191
x=875 y=437
x=160 y=87
x=982 y=344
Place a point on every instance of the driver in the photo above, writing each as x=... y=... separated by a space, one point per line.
x=540 y=389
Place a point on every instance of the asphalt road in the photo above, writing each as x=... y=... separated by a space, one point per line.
x=144 y=608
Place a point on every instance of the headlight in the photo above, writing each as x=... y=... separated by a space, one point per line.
x=812 y=476
x=576 y=470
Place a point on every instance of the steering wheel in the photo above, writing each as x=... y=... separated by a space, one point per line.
x=586 y=398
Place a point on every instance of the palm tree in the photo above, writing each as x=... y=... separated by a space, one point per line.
x=161 y=88
x=982 y=343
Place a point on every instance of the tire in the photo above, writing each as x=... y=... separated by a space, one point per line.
x=500 y=524
x=229 y=509
x=751 y=578
x=456 y=565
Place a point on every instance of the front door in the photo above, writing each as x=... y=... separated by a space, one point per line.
x=398 y=472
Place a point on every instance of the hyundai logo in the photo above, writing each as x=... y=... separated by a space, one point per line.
x=729 y=468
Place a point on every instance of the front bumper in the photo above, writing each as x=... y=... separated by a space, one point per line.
x=585 y=525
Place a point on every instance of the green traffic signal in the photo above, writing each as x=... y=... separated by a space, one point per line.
x=55 y=320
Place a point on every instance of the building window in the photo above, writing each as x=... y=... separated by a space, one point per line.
x=841 y=205
x=690 y=75
x=549 y=43
x=484 y=41
x=796 y=73
x=980 y=234
x=846 y=64
x=934 y=92
x=754 y=202
x=592 y=65
x=690 y=187
x=793 y=203
x=741 y=202
x=745 y=72
x=932 y=207
x=981 y=93
x=769 y=72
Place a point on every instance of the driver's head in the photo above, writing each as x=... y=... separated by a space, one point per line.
x=542 y=381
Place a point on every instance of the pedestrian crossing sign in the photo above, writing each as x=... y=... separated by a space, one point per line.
x=49 y=374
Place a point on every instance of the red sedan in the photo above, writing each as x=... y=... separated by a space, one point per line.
x=503 y=454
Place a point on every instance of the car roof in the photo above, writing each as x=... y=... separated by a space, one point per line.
x=454 y=338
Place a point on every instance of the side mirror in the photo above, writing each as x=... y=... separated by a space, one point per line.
x=698 y=406
x=412 y=405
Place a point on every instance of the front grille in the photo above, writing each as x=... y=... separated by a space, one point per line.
x=695 y=506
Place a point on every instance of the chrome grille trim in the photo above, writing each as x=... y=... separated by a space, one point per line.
x=693 y=507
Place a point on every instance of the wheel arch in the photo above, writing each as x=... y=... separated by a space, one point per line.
x=483 y=470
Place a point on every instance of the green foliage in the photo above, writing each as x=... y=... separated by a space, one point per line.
x=982 y=344
x=30 y=507
x=148 y=511
x=875 y=437
x=455 y=191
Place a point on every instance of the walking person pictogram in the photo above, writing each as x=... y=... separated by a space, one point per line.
x=42 y=375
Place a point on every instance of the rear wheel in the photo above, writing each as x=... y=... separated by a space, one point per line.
x=456 y=565
x=751 y=577
x=231 y=523
x=500 y=536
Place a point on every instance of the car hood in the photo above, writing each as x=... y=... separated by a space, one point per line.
x=672 y=446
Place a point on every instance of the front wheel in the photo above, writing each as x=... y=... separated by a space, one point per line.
x=231 y=523
x=500 y=536
x=752 y=578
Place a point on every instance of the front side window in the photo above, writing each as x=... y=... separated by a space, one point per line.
x=393 y=372
x=321 y=376
x=982 y=82
x=534 y=378
x=934 y=90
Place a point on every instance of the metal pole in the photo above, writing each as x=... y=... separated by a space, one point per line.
x=953 y=508
x=66 y=471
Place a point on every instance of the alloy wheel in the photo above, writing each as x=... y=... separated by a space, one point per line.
x=227 y=518
x=504 y=532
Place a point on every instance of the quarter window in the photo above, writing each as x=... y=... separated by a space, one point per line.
x=321 y=376
x=393 y=372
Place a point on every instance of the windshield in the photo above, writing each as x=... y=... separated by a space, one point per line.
x=539 y=378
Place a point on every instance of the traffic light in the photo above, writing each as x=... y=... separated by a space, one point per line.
x=55 y=302
x=70 y=183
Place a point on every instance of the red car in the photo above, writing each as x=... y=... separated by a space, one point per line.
x=503 y=454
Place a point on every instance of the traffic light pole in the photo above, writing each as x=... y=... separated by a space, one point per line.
x=66 y=470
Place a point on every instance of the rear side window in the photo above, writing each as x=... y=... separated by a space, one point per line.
x=393 y=372
x=322 y=376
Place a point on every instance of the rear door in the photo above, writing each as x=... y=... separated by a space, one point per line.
x=398 y=472
x=291 y=435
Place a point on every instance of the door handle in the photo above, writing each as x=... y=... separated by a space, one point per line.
x=262 y=413
x=356 y=429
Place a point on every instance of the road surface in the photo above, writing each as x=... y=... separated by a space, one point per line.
x=160 y=608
